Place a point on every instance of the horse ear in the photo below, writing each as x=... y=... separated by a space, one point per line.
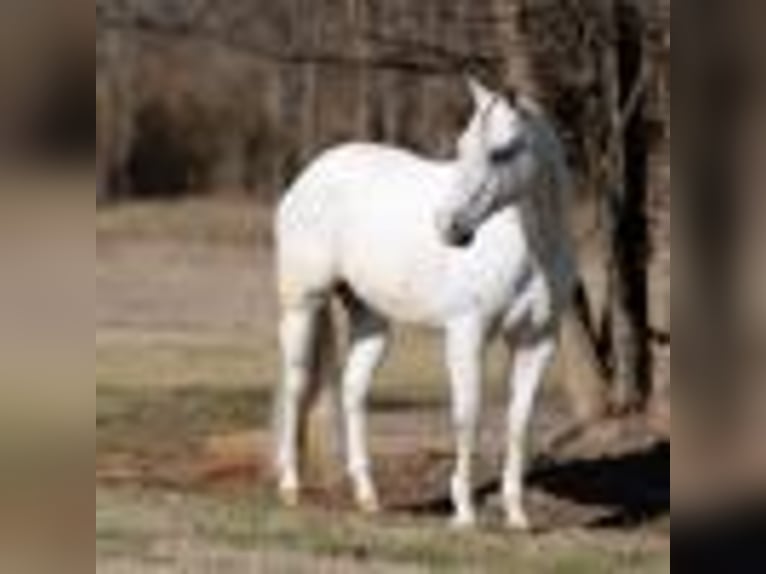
x=480 y=94
x=528 y=105
x=512 y=95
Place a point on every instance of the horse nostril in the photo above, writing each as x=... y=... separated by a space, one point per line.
x=453 y=232
x=459 y=236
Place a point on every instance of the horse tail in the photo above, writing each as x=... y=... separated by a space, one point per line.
x=318 y=430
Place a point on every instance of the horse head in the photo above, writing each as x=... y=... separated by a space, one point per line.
x=492 y=143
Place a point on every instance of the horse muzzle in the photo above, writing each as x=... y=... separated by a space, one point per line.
x=454 y=233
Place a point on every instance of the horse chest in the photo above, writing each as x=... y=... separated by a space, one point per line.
x=492 y=280
x=423 y=281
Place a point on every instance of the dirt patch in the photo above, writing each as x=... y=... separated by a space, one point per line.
x=584 y=483
x=216 y=461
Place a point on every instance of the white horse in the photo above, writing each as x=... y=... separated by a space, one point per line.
x=476 y=246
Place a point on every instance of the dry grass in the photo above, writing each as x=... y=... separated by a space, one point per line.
x=208 y=369
x=232 y=221
x=147 y=529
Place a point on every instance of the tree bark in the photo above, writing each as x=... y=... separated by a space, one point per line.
x=623 y=212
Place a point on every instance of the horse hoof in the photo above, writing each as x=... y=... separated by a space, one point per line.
x=518 y=522
x=289 y=497
x=369 y=506
x=461 y=522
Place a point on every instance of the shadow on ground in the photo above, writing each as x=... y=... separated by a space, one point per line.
x=625 y=491
x=634 y=487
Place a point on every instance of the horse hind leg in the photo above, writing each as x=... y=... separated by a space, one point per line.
x=299 y=330
x=369 y=338
x=305 y=280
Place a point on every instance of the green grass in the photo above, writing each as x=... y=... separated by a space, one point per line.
x=150 y=527
x=129 y=523
x=414 y=370
x=148 y=420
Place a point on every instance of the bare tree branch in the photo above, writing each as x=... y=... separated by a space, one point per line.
x=412 y=56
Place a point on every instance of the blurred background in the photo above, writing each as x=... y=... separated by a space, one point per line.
x=44 y=76
x=206 y=109
x=208 y=99
x=47 y=169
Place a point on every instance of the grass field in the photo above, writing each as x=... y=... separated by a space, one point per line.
x=185 y=370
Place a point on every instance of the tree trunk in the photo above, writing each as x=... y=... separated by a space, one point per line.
x=623 y=208
x=585 y=378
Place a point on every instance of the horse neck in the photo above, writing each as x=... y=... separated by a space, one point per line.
x=471 y=170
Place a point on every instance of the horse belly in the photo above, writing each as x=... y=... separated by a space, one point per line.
x=401 y=280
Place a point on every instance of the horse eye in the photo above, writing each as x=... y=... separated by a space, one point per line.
x=512 y=95
x=508 y=152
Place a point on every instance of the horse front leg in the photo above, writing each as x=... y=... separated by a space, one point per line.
x=465 y=343
x=533 y=355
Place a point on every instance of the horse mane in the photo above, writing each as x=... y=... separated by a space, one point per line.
x=547 y=143
x=551 y=202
